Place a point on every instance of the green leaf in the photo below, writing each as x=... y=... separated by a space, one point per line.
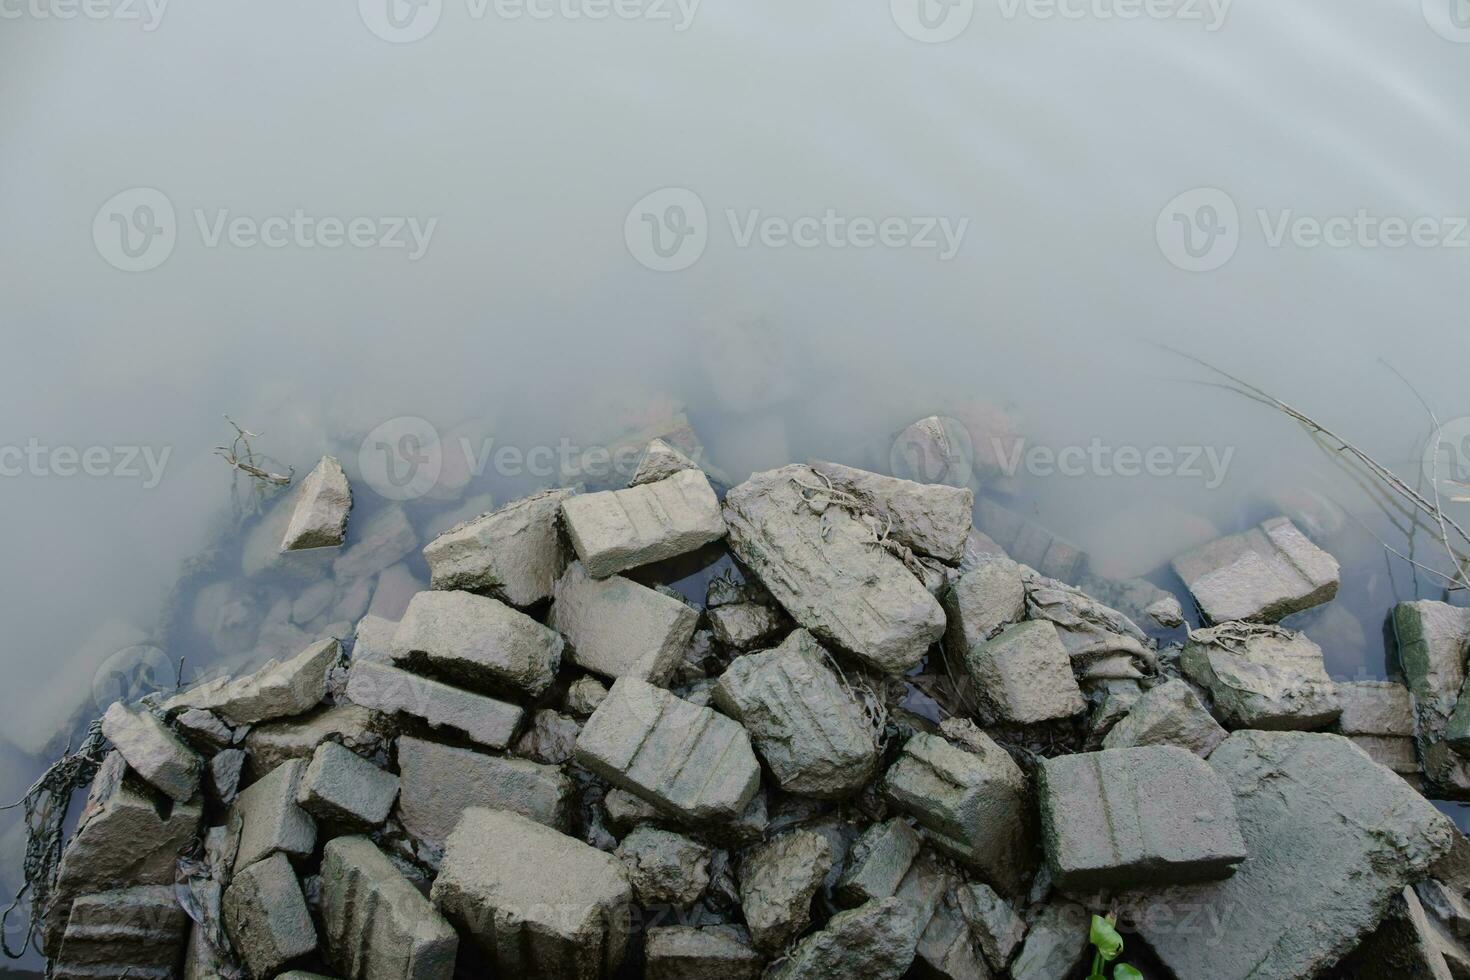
x=1096 y=976
x=1106 y=938
x=1125 y=972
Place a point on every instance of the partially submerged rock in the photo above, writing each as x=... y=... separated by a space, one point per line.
x=266 y=916
x=514 y=554
x=1170 y=714
x=616 y=530
x=1024 y=675
x=1262 y=575
x=274 y=691
x=1155 y=815
x=1029 y=543
x=618 y=628
x=477 y=642
x=777 y=882
x=319 y=519
x=1432 y=641
x=1379 y=717
x=803 y=721
x=659 y=462
x=821 y=563
x=538 y=902
x=686 y=759
x=1262 y=676
x=153 y=752
x=930 y=518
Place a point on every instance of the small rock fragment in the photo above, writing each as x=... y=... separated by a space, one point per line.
x=514 y=554
x=878 y=861
x=659 y=462
x=225 y=769
x=626 y=811
x=744 y=625
x=930 y=518
x=480 y=719
x=1170 y=714
x=551 y=738
x=665 y=868
x=266 y=917
x=271 y=820
x=273 y=691
x=1056 y=946
x=1262 y=676
x=584 y=695
x=1023 y=675
x=618 y=628
x=204 y=729
x=345 y=789
x=685 y=953
x=874 y=941
x=537 y=901
x=320 y=517
x=478 y=643
x=1262 y=575
x=616 y=530
x=687 y=759
x=777 y=882
x=153 y=752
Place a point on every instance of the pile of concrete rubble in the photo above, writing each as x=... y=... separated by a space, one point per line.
x=553 y=766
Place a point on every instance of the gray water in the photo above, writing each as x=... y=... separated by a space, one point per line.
x=524 y=150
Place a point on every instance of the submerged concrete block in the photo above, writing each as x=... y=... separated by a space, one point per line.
x=1263 y=575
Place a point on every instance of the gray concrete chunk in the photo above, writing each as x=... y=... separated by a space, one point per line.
x=1262 y=676
x=584 y=695
x=131 y=932
x=930 y=518
x=1407 y=945
x=275 y=690
x=478 y=643
x=1029 y=543
x=266 y=917
x=659 y=462
x=541 y=904
x=480 y=719
x=878 y=861
x=280 y=741
x=514 y=554
x=947 y=949
x=320 y=517
x=821 y=564
x=616 y=530
x=375 y=924
x=550 y=738
x=1056 y=945
x=1332 y=839
x=1154 y=815
x=664 y=868
x=875 y=941
x=686 y=953
x=618 y=628
x=1432 y=640
x=994 y=924
x=975 y=805
x=440 y=782
x=1170 y=714
x=270 y=818
x=384 y=540
x=154 y=752
x=981 y=601
x=687 y=759
x=743 y=625
x=803 y=721
x=345 y=789
x=1263 y=575
x=1024 y=675
x=777 y=882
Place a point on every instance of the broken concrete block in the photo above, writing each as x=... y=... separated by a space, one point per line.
x=1170 y=714
x=922 y=890
x=550 y=739
x=659 y=462
x=975 y=805
x=1056 y=946
x=225 y=769
x=1312 y=809
x=204 y=730
x=1091 y=631
x=384 y=540
x=995 y=926
x=618 y=628
x=440 y=782
x=271 y=820
x=1407 y=945
x=1262 y=575
x=745 y=625
x=319 y=519
x=537 y=901
x=281 y=741
x=686 y=759
x=1030 y=544
x=266 y=917
x=1262 y=676
x=929 y=518
x=874 y=941
x=820 y=562
x=1375 y=708
x=345 y=789
x=584 y=695
x=514 y=554
x=802 y=719
x=878 y=861
x=153 y=752
x=982 y=601
x=1155 y=815
x=1024 y=675
x=664 y=868
x=480 y=719
x=626 y=811
x=777 y=882
x=1432 y=641
x=375 y=924
x=685 y=953
x=478 y=643
x=131 y=932
x=616 y=530
x=946 y=949
x=274 y=691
